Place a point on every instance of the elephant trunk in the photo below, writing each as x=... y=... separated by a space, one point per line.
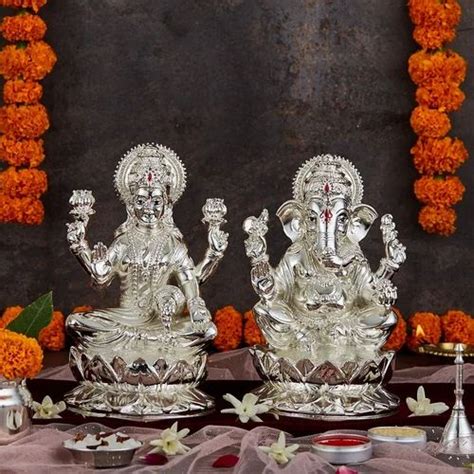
x=329 y=254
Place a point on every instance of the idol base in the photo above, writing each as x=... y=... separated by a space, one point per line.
x=329 y=402
x=127 y=401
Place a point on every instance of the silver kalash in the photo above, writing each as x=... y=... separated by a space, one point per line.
x=324 y=312
x=147 y=356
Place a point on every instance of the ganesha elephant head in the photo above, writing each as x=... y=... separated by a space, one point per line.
x=331 y=229
x=327 y=213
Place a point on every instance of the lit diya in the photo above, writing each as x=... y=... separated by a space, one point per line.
x=343 y=448
x=405 y=435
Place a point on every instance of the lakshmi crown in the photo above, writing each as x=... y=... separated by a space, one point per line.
x=328 y=174
x=150 y=165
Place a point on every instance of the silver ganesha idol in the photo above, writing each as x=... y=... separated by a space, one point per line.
x=324 y=313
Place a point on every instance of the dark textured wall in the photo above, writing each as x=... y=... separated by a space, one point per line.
x=244 y=91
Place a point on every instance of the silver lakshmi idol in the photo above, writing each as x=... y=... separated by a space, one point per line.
x=147 y=356
x=324 y=313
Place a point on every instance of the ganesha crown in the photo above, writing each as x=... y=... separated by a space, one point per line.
x=325 y=174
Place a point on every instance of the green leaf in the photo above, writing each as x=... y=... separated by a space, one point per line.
x=34 y=317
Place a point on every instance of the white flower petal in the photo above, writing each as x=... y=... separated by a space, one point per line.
x=249 y=399
x=439 y=407
x=47 y=402
x=256 y=419
x=412 y=404
x=232 y=400
x=420 y=393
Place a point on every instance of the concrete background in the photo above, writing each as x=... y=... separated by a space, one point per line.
x=244 y=91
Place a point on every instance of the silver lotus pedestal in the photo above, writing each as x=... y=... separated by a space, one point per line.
x=326 y=390
x=147 y=356
x=323 y=311
x=128 y=385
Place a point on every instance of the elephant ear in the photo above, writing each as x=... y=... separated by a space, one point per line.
x=360 y=222
x=290 y=214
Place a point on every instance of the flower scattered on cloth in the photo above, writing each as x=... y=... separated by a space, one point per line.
x=169 y=441
x=248 y=408
x=47 y=409
x=279 y=451
x=422 y=406
x=346 y=470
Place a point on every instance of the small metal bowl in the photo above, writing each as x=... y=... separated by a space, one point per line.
x=103 y=458
x=406 y=435
x=345 y=454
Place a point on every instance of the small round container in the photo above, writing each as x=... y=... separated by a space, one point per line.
x=103 y=458
x=406 y=435
x=343 y=448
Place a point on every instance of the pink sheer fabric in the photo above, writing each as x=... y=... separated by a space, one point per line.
x=238 y=365
x=41 y=451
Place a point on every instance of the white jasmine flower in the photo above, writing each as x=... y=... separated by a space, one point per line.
x=47 y=409
x=247 y=409
x=169 y=441
x=422 y=406
x=279 y=451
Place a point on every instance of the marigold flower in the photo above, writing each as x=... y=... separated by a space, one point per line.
x=9 y=314
x=456 y=326
x=441 y=66
x=437 y=220
x=82 y=309
x=433 y=38
x=424 y=328
x=471 y=331
x=22 y=92
x=24 y=121
x=229 y=329
x=439 y=191
x=435 y=13
x=429 y=123
x=33 y=4
x=252 y=333
x=20 y=356
x=25 y=27
x=23 y=182
x=398 y=335
x=25 y=210
x=440 y=95
x=31 y=63
x=53 y=336
x=438 y=155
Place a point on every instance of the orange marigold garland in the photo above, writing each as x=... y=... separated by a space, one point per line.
x=229 y=328
x=424 y=328
x=437 y=72
x=25 y=210
x=23 y=27
x=456 y=326
x=398 y=335
x=20 y=356
x=23 y=120
x=438 y=155
x=52 y=337
x=437 y=191
x=429 y=122
x=35 y=5
x=438 y=220
x=22 y=92
x=252 y=333
x=23 y=183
